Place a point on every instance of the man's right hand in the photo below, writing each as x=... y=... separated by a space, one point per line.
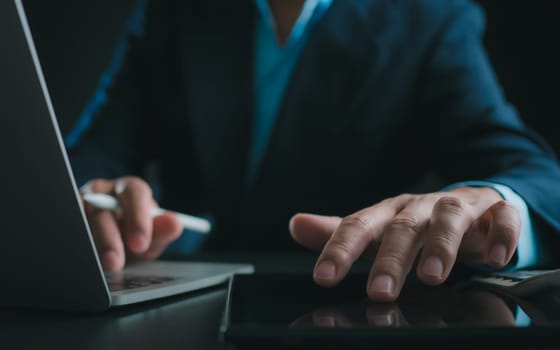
x=131 y=234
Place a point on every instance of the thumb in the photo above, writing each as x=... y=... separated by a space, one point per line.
x=313 y=231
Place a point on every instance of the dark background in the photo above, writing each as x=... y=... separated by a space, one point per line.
x=75 y=40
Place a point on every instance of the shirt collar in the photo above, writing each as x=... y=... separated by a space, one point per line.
x=305 y=16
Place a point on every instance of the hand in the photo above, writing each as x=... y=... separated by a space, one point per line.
x=132 y=233
x=473 y=225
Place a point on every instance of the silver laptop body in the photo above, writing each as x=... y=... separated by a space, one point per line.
x=47 y=254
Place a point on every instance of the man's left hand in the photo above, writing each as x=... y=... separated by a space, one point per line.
x=469 y=224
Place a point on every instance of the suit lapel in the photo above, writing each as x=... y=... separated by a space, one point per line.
x=329 y=77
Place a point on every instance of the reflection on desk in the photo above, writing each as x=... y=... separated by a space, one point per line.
x=293 y=310
x=417 y=306
x=192 y=321
x=183 y=322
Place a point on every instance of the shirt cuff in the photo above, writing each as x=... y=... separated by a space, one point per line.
x=528 y=247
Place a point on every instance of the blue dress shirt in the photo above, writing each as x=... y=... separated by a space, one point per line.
x=274 y=66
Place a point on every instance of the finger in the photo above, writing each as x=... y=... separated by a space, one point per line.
x=451 y=217
x=313 y=231
x=352 y=237
x=167 y=229
x=399 y=248
x=107 y=239
x=135 y=198
x=331 y=318
x=503 y=233
x=475 y=240
x=304 y=321
x=98 y=186
x=385 y=315
x=95 y=186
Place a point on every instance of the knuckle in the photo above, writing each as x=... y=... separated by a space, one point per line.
x=390 y=262
x=503 y=204
x=452 y=204
x=135 y=182
x=134 y=185
x=407 y=196
x=341 y=251
x=507 y=207
x=403 y=198
x=434 y=197
x=357 y=221
x=405 y=223
x=443 y=243
x=96 y=185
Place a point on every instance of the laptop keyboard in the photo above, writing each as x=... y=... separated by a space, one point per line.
x=119 y=282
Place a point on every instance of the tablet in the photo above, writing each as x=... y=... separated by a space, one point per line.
x=279 y=310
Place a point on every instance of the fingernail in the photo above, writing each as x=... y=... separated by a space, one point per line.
x=291 y=224
x=433 y=266
x=498 y=254
x=382 y=284
x=326 y=270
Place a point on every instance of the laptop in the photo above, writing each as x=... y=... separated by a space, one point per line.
x=47 y=254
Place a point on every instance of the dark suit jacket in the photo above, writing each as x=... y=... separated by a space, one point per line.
x=387 y=97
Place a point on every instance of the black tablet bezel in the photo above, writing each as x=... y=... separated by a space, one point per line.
x=459 y=337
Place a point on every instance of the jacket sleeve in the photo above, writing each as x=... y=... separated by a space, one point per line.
x=473 y=132
x=111 y=137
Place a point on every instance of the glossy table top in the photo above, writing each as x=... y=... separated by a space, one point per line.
x=189 y=321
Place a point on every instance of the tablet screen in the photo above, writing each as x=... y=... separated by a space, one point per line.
x=292 y=309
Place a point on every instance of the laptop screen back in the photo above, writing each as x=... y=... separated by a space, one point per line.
x=47 y=256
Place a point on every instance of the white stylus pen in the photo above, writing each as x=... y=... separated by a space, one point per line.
x=104 y=201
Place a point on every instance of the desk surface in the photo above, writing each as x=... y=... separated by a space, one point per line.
x=189 y=321
x=184 y=322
